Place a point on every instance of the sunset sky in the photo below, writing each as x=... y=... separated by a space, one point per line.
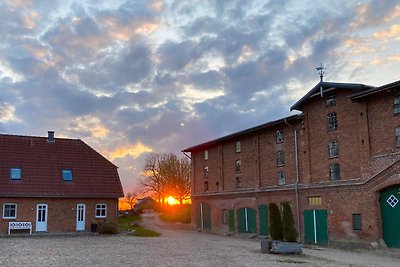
x=132 y=77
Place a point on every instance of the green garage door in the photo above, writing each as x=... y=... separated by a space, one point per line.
x=203 y=216
x=390 y=210
x=315 y=227
x=246 y=220
x=263 y=220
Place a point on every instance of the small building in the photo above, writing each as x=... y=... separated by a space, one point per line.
x=146 y=205
x=55 y=184
x=337 y=163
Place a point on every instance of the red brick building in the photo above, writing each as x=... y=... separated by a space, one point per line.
x=55 y=184
x=336 y=163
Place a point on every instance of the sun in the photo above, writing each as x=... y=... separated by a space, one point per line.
x=172 y=201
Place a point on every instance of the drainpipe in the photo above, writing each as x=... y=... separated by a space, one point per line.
x=296 y=188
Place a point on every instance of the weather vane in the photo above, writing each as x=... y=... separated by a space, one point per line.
x=321 y=71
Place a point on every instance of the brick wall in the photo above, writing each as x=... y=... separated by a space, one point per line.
x=61 y=212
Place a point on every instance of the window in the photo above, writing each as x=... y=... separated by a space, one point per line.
x=280 y=136
x=331 y=100
x=9 y=211
x=101 y=210
x=333 y=148
x=67 y=175
x=225 y=218
x=238 y=147
x=315 y=201
x=280 y=158
x=15 y=173
x=334 y=172
x=205 y=186
x=398 y=136
x=205 y=154
x=357 y=222
x=281 y=178
x=397 y=104
x=238 y=182
x=332 y=121
x=205 y=171
x=238 y=165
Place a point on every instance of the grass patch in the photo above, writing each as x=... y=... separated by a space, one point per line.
x=125 y=220
x=141 y=231
x=177 y=213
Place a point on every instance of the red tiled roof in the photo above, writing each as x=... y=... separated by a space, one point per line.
x=42 y=164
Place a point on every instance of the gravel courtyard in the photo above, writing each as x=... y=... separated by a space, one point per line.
x=176 y=247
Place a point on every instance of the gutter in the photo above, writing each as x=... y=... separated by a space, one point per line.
x=296 y=187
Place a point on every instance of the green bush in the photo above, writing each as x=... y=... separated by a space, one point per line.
x=289 y=231
x=177 y=213
x=107 y=227
x=275 y=222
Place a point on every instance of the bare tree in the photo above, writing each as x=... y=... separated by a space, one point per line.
x=130 y=199
x=166 y=174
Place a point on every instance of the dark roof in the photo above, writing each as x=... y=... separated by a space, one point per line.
x=42 y=164
x=247 y=131
x=327 y=87
x=376 y=90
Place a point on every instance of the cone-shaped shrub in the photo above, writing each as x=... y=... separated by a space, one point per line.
x=289 y=232
x=275 y=222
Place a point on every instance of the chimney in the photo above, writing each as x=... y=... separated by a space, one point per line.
x=50 y=137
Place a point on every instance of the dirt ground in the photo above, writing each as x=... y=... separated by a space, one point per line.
x=177 y=246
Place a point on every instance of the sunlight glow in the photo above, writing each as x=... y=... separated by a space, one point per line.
x=172 y=201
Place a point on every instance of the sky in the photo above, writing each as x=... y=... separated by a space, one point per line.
x=130 y=77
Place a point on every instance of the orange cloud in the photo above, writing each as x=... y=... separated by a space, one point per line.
x=134 y=151
x=392 y=33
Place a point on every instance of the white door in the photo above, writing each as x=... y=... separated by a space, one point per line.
x=80 y=217
x=41 y=218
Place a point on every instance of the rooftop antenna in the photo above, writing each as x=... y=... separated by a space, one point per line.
x=321 y=72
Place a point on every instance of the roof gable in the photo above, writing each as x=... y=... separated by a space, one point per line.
x=376 y=90
x=324 y=87
x=42 y=163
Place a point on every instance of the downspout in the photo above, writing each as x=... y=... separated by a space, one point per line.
x=296 y=188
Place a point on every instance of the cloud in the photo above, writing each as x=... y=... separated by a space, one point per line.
x=134 y=150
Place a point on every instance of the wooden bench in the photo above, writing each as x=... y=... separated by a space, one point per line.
x=19 y=226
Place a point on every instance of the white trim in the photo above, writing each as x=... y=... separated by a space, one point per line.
x=246 y=219
x=9 y=218
x=100 y=208
x=315 y=227
x=201 y=215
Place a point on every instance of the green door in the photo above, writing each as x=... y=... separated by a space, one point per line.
x=263 y=220
x=231 y=221
x=390 y=211
x=246 y=220
x=315 y=227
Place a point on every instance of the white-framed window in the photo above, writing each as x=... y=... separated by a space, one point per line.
x=333 y=148
x=238 y=182
x=238 y=147
x=15 y=173
x=205 y=171
x=281 y=178
x=225 y=217
x=205 y=154
x=280 y=137
x=67 y=175
x=101 y=210
x=331 y=100
x=397 y=104
x=238 y=165
x=205 y=186
x=280 y=158
x=332 y=121
x=398 y=136
x=334 y=172
x=9 y=211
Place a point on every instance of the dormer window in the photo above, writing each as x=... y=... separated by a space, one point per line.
x=331 y=100
x=67 y=175
x=15 y=173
